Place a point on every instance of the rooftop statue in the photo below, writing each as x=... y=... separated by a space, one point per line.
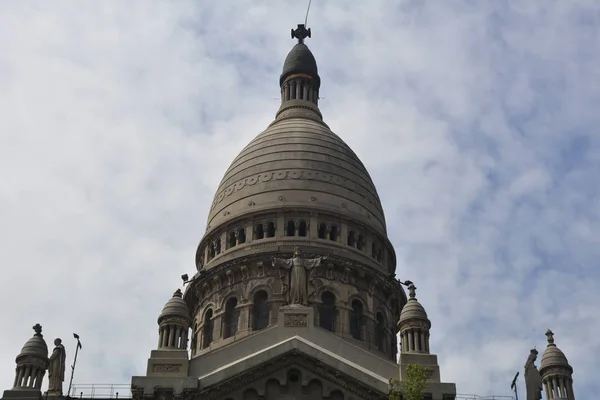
x=56 y=370
x=533 y=379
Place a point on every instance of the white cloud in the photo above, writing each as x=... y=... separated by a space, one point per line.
x=477 y=121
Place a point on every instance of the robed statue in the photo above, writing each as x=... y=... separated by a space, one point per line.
x=298 y=268
x=56 y=369
x=533 y=379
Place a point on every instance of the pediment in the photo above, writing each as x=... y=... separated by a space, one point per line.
x=294 y=375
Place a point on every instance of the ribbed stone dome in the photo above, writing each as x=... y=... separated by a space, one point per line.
x=298 y=162
x=36 y=346
x=175 y=307
x=412 y=310
x=553 y=356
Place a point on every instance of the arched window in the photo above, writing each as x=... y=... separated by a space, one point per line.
x=231 y=318
x=290 y=229
x=207 y=329
x=333 y=233
x=260 y=311
x=356 y=319
x=360 y=244
x=327 y=311
x=380 y=332
x=373 y=249
x=302 y=228
x=241 y=236
x=218 y=245
x=211 y=251
x=231 y=240
x=351 y=239
x=260 y=232
x=270 y=229
x=378 y=255
x=322 y=230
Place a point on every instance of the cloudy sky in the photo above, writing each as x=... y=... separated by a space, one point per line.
x=478 y=120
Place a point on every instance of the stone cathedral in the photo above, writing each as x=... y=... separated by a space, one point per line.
x=295 y=294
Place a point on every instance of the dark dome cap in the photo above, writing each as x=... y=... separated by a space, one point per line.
x=175 y=307
x=300 y=60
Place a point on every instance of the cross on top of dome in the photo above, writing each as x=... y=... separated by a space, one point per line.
x=300 y=33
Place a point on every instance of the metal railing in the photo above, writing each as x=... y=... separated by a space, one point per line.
x=100 y=391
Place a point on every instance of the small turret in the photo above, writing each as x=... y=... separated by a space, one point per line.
x=557 y=374
x=174 y=323
x=414 y=325
x=32 y=363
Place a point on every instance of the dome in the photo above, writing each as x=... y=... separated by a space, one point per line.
x=553 y=356
x=299 y=60
x=412 y=309
x=36 y=346
x=175 y=307
x=298 y=163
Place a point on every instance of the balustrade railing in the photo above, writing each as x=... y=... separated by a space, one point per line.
x=100 y=391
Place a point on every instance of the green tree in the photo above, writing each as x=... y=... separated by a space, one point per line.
x=413 y=388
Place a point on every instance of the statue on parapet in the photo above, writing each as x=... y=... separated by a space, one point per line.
x=297 y=277
x=56 y=370
x=533 y=379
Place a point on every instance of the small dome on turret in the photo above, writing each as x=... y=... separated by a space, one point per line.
x=175 y=307
x=413 y=309
x=553 y=356
x=36 y=346
x=300 y=60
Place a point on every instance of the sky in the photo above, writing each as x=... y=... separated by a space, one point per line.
x=477 y=120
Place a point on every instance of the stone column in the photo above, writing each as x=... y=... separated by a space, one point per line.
x=343 y=233
x=313 y=227
x=40 y=379
x=280 y=230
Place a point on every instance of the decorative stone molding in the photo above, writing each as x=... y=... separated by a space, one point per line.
x=295 y=320
x=296 y=174
x=167 y=368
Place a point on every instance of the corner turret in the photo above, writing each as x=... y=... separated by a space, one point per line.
x=32 y=363
x=557 y=374
x=414 y=326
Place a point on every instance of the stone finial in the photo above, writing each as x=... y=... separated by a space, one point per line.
x=550 y=336
x=178 y=293
x=38 y=330
x=412 y=291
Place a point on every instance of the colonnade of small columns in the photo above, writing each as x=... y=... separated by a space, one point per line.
x=343 y=233
x=29 y=376
x=558 y=387
x=172 y=336
x=414 y=340
x=299 y=89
